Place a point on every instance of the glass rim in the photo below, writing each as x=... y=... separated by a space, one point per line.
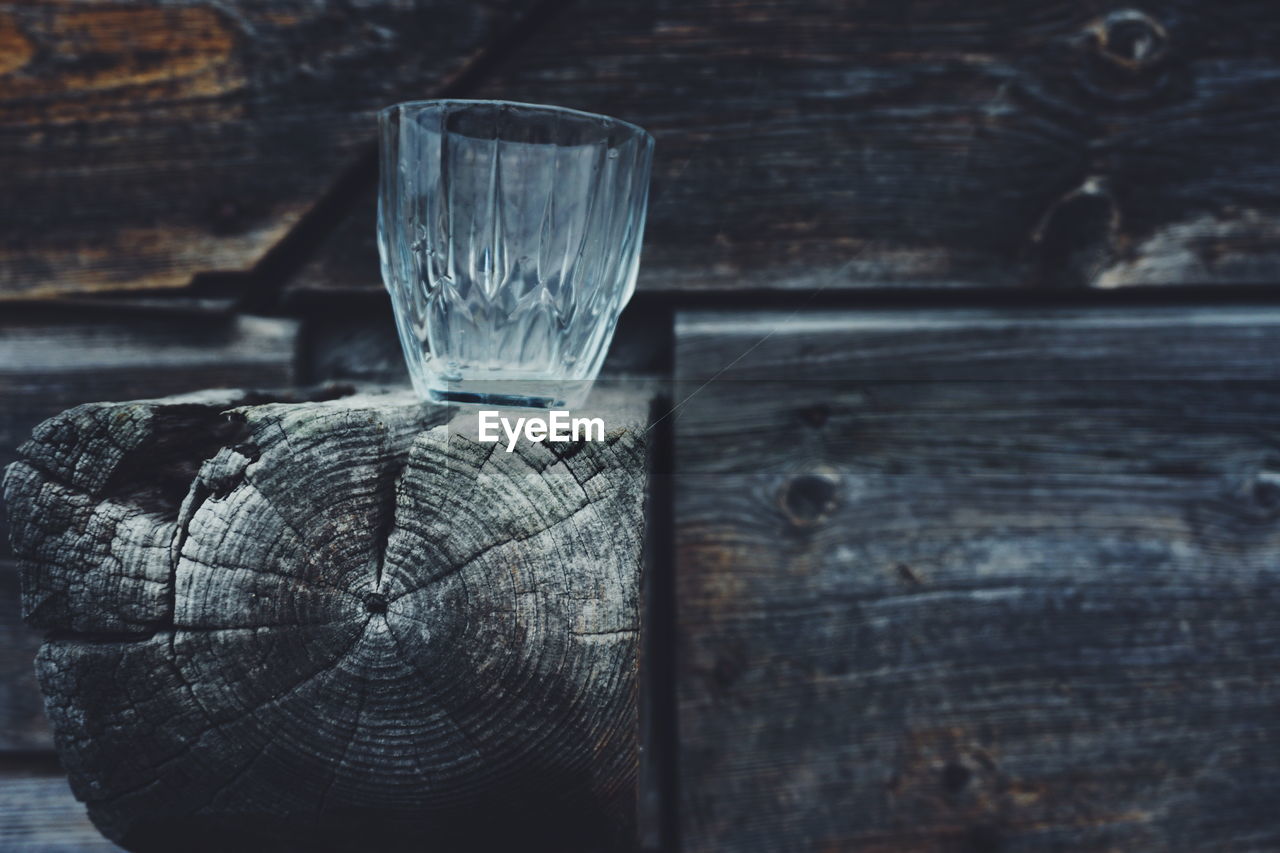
x=494 y=102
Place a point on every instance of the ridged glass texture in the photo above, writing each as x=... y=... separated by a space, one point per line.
x=510 y=240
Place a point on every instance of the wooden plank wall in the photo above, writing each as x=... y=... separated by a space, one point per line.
x=874 y=143
x=150 y=141
x=914 y=600
x=979 y=580
x=841 y=143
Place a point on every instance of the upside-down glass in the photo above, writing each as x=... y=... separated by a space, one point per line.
x=510 y=240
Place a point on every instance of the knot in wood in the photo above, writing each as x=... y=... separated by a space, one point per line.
x=1266 y=485
x=1077 y=238
x=809 y=498
x=1130 y=39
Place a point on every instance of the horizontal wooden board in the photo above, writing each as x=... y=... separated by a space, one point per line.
x=38 y=814
x=961 y=580
x=150 y=141
x=869 y=143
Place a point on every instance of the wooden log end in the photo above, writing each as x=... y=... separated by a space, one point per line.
x=352 y=624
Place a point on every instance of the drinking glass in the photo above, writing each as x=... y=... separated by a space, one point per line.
x=510 y=240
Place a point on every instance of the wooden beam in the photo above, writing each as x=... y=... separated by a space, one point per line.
x=879 y=143
x=336 y=623
x=974 y=580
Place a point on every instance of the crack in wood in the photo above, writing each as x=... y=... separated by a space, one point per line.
x=428 y=690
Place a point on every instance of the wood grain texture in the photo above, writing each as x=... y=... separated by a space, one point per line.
x=38 y=814
x=150 y=141
x=869 y=143
x=23 y=727
x=979 y=581
x=335 y=624
x=53 y=360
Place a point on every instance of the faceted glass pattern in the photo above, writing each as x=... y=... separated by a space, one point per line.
x=510 y=240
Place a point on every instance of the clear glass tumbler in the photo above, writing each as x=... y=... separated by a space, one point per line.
x=510 y=240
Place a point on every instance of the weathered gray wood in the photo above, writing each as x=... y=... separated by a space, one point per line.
x=38 y=814
x=53 y=360
x=969 y=580
x=149 y=141
x=22 y=722
x=353 y=626
x=869 y=143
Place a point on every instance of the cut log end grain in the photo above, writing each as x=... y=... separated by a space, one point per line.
x=330 y=624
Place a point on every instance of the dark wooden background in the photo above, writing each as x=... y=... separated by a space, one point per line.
x=974 y=535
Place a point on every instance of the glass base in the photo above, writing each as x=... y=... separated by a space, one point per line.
x=497 y=401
